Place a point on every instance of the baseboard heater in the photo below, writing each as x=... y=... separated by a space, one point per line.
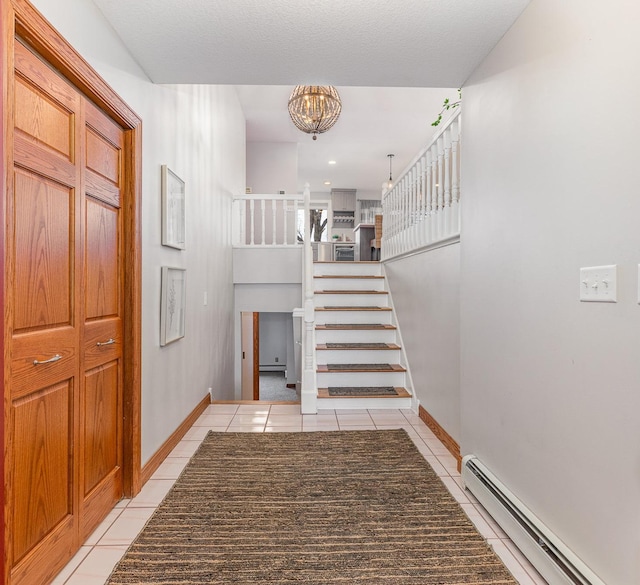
x=546 y=552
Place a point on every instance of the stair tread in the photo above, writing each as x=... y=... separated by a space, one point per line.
x=351 y=292
x=400 y=393
x=349 y=308
x=348 y=326
x=348 y=346
x=343 y=263
x=381 y=368
x=359 y=276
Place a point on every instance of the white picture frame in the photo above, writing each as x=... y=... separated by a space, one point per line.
x=172 y=304
x=173 y=209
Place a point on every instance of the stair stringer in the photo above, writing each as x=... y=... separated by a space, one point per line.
x=415 y=403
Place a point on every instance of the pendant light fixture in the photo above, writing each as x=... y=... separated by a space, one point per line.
x=390 y=182
x=314 y=108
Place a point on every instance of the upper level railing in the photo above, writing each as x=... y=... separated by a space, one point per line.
x=422 y=208
x=266 y=220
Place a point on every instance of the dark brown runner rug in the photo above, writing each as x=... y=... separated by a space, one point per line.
x=322 y=508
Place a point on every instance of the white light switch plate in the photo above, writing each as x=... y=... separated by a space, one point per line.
x=599 y=284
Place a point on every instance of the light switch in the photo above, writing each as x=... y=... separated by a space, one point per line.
x=599 y=284
x=205 y=298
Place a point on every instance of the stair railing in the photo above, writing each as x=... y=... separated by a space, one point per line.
x=309 y=389
x=266 y=220
x=422 y=209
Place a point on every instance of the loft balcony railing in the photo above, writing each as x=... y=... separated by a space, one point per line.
x=422 y=209
x=266 y=220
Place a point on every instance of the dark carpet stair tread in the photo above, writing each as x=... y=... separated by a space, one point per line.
x=334 y=368
x=348 y=326
x=352 y=308
x=351 y=292
x=364 y=392
x=373 y=346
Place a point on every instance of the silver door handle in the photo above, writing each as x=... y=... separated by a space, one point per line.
x=55 y=358
x=109 y=341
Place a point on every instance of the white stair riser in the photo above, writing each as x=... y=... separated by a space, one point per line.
x=348 y=268
x=350 y=300
x=326 y=379
x=348 y=403
x=336 y=317
x=348 y=284
x=358 y=356
x=356 y=336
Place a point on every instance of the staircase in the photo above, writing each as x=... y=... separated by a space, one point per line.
x=358 y=358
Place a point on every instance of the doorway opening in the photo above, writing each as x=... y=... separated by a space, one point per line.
x=270 y=362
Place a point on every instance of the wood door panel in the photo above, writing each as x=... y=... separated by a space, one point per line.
x=57 y=90
x=102 y=157
x=102 y=332
x=102 y=279
x=43 y=249
x=46 y=163
x=41 y=346
x=40 y=118
x=42 y=465
x=101 y=424
x=100 y=188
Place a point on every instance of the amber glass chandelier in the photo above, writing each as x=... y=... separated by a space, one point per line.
x=314 y=108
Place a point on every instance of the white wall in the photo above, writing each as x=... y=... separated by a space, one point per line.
x=274 y=330
x=199 y=132
x=425 y=289
x=272 y=167
x=550 y=395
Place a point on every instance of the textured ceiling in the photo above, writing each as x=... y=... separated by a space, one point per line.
x=400 y=43
x=381 y=54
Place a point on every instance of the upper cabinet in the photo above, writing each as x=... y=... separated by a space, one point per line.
x=343 y=199
x=343 y=203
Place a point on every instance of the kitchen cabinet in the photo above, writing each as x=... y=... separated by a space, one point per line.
x=343 y=204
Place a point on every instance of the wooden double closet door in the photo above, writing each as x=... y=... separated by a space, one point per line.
x=64 y=460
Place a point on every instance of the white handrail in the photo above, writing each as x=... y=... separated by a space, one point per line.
x=423 y=206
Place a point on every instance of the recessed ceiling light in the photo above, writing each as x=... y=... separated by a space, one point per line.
x=327 y=182
x=332 y=162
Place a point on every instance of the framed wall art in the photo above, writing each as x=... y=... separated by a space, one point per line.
x=173 y=210
x=172 y=304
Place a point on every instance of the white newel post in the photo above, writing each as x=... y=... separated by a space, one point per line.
x=309 y=391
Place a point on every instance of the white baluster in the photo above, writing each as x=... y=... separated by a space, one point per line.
x=252 y=214
x=274 y=210
x=423 y=203
x=455 y=176
x=440 y=218
x=447 y=182
x=295 y=222
x=430 y=182
x=239 y=236
x=263 y=220
x=285 y=211
x=414 y=199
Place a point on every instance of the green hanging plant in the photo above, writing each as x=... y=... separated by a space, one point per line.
x=448 y=105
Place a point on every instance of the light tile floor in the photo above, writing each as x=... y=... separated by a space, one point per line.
x=94 y=562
